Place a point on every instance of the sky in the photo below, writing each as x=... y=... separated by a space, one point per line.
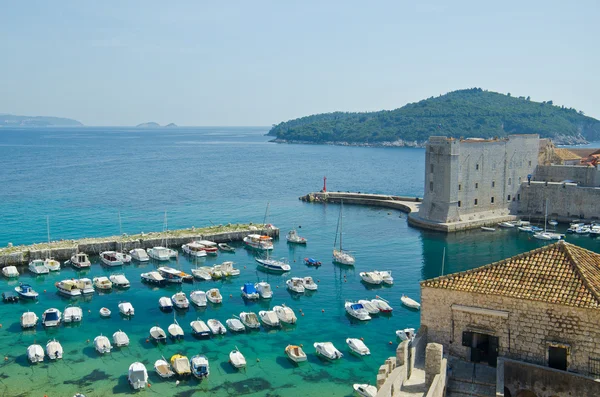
x=257 y=63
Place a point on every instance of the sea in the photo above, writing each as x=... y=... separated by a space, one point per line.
x=68 y=183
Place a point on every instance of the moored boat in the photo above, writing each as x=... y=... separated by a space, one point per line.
x=54 y=350
x=158 y=334
x=327 y=350
x=26 y=292
x=163 y=369
x=29 y=320
x=10 y=271
x=358 y=346
x=175 y=330
x=120 y=339
x=216 y=327
x=161 y=253
x=382 y=305
x=269 y=317
x=139 y=255
x=227 y=270
x=52 y=264
x=199 y=366
x=37 y=266
x=171 y=275
x=51 y=317
x=72 y=314
x=295 y=353
x=237 y=359
x=357 y=311
x=294 y=238
x=109 y=258
x=226 y=247
x=102 y=344
x=264 y=290
x=235 y=325
x=126 y=309
x=506 y=225
x=35 y=354
x=550 y=236
x=68 y=288
x=273 y=265
x=371 y=277
x=105 y=312
x=249 y=291
x=102 y=283
x=198 y=298
x=85 y=285
x=165 y=304
x=214 y=295
x=249 y=319
x=309 y=284
x=199 y=328
x=153 y=278
x=341 y=256
x=386 y=276
x=180 y=300
x=408 y=302
x=209 y=246
x=119 y=280
x=365 y=390
x=80 y=260
x=137 y=376
x=202 y=273
x=180 y=365
x=406 y=334
x=258 y=242
x=312 y=262
x=295 y=284
x=194 y=249
x=487 y=229
x=285 y=314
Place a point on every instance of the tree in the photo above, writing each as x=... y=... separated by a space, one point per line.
x=508 y=94
x=528 y=98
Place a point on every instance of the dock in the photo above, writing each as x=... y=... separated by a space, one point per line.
x=404 y=204
x=64 y=249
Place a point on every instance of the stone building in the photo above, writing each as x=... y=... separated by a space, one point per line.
x=539 y=311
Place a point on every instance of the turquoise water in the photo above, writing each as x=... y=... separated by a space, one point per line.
x=82 y=178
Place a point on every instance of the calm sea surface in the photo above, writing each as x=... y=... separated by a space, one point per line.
x=82 y=178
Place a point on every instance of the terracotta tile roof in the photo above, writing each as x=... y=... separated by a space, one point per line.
x=566 y=154
x=560 y=273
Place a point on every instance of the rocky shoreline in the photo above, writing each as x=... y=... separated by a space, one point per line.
x=398 y=143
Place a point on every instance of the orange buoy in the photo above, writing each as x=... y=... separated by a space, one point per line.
x=5 y=358
x=244 y=267
x=87 y=341
x=361 y=338
x=322 y=310
x=147 y=340
x=302 y=314
x=149 y=385
x=390 y=342
x=0 y=325
x=230 y=295
x=301 y=345
x=300 y=310
x=44 y=290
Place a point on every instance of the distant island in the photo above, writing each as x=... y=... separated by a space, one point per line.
x=464 y=113
x=152 y=124
x=11 y=120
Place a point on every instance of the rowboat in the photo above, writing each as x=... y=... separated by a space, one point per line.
x=413 y=304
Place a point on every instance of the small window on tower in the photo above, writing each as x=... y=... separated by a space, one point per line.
x=476 y=185
x=530 y=163
x=459 y=203
x=477 y=166
x=475 y=201
x=493 y=183
x=509 y=181
x=432 y=168
x=431 y=186
x=508 y=198
x=459 y=187
x=492 y=200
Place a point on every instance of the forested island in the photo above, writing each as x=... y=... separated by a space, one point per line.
x=11 y=120
x=464 y=113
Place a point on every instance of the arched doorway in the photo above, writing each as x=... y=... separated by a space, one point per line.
x=526 y=393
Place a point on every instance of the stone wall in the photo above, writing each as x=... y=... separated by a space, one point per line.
x=525 y=328
x=585 y=176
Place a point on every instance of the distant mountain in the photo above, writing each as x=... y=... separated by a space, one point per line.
x=150 y=124
x=464 y=113
x=10 y=120
x=171 y=125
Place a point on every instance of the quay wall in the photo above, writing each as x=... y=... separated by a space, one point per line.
x=582 y=175
x=404 y=204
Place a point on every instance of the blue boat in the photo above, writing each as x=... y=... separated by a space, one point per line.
x=312 y=262
x=26 y=292
x=200 y=367
x=249 y=292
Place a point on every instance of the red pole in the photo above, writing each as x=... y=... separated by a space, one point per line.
x=324 y=184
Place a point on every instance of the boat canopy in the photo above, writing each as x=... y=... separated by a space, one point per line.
x=357 y=306
x=51 y=316
x=249 y=288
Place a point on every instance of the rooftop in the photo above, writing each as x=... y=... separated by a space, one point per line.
x=566 y=154
x=560 y=273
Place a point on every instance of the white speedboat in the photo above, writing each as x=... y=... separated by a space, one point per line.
x=365 y=390
x=249 y=319
x=216 y=327
x=237 y=359
x=54 y=350
x=295 y=284
x=369 y=306
x=249 y=292
x=199 y=328
x=214 y=295
x=52 y=264
x=105 y=312
x=109 y=258
x=327 y=350
x=549 y=236
x=408 y=302
x=137 y=376
x=80 y=260
x=199 y=366
x=26 y=292
x=264 y=290
x=198 y=298
x=357 y=311
x=123 y=257
x=102 y=283
x=35 y=354
x=210 y=247
x=180 y=301
x=273 y=265
x=406 y=334
x=194 y=249
x=120 y=339
x=139 y=255
x=309 y=284
x=202 y=273
x=294 y=238
x=171 y=275
x=10 y=272
x=161 y=253
x=358 y=346
x=285 y=314
x=165 y=304
x=382 y=305
x=163 y=369
x=269 y=317
x=295 y=353
x=235 y=325
x=126 y=309
x=226 y=247
x=102 y=344
x=51 y=317
x=258 y=242
x=119 y=280
x=386 y=276
x=29 y=320
x=175 y=330
x=37 y=266
x=487 y=229
x=72 y=314
x=85 y=285
x=153 y=278
x=181 y=365
x=68 y=288
x=506 y=225
x=158 y=334
x=371 y=278
x=227 y=269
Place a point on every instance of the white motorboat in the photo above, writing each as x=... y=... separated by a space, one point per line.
x=365 y=390
x=180 y=300
x=68 y=288
x=285 y=314
x=309 y=284
x=258 y=242
x=126 y=309
x=109 y=258
x=216 y=327
x=507 y=225
x=386 y=276
x=227 y=269
x=249 y=319
x=163 y=369
x=340 y=255
x=226 y=247
x=35 y=354
x=158 y=334
x=235 y=325
x=85 y=285
x=200 y=367
x=181 y=365
x=294 y=238
x=102 y=344
x=139 y=255
x=210 y=247
x=269 y=317
x=274 y=265
x=198 y=298
x=29 y=320
x=171 y=275
x=382 y=305
x=264 y=290
x=199 y=328
x=488 y=229
x=175 y=330
x=406 y=334
x=358 y=346
x=237 y=359
x=202 y=273
x=137 y=376
x=80 y=260
x=549 y=236
x=214 y=295
x=120 y=339
x=371 y=277
x=105 y=312
x=10 y=271
x=295 y=284
x=249 y=292
x=295 y=353
x=357 y=311
x=102 y=283
x=408 y=302
x=161 y=253
x=54 y=350
x=553 y=222
x=52 y=264
x=72 y=314
x=123 y=257
x=153 y=278
x=26 y=292
x=51 y=317
x=119 y=280
x=37 y=266
x=165 y=304
x=327 y=350
x=194 y=249
x=369 y=306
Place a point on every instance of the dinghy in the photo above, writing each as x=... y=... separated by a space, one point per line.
x=408 y=302
x=157 y=334
x=54 y=350
x=35 y=354
x=295 y=284
x=312 y=262
x=249 y=292
x=235 y=325
x=406 y=334
x=200 y=367
x=382 y=305
x=269 y=317
x=29 y=320
x=371 y=278
x=26 y=292
x=137 y=376
x=72 y=314
x=202 y=274
x=327 y=350
x=214 y=295
x=294 y=238
x=309 y=284
x=119 y=280
x=10 y=272
x=180 y=300
x=52 y=264
x=126 y=309
x=51 y=317
x=365 y=390
x=120 y=339
x=237 y=359
x=249 y=319
x=295 y=353
x=165 y=304
x=163 y=369
x=105 y=312
x=488 y=229
x=357 y=311
x=369 y=306
x=180 y=365
x=175 y=330
x=198 y=298
x=102 y=344
x=264 y=290
x=226 y=247
x=285 y=314
x=199 y=328
x=358 y=346
x=216 y=327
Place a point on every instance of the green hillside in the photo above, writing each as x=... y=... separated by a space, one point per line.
x=10 y=120
x=464 y=113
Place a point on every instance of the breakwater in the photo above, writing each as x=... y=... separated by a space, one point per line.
x=404 y=204
x=64 y=249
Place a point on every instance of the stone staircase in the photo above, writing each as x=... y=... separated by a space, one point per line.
x=468 y=388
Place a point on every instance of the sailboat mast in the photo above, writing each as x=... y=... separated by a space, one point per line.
x=546 y=216
x=120 y=233
x=48 y=231
x=266 y=214
x=341 y=222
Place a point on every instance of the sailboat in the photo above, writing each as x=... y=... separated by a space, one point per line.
x=121 y=255
x=51 y=263
x=163 y=253
x=340 y=255
x=546 y=235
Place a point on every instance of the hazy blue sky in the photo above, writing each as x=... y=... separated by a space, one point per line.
x=262 y=62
